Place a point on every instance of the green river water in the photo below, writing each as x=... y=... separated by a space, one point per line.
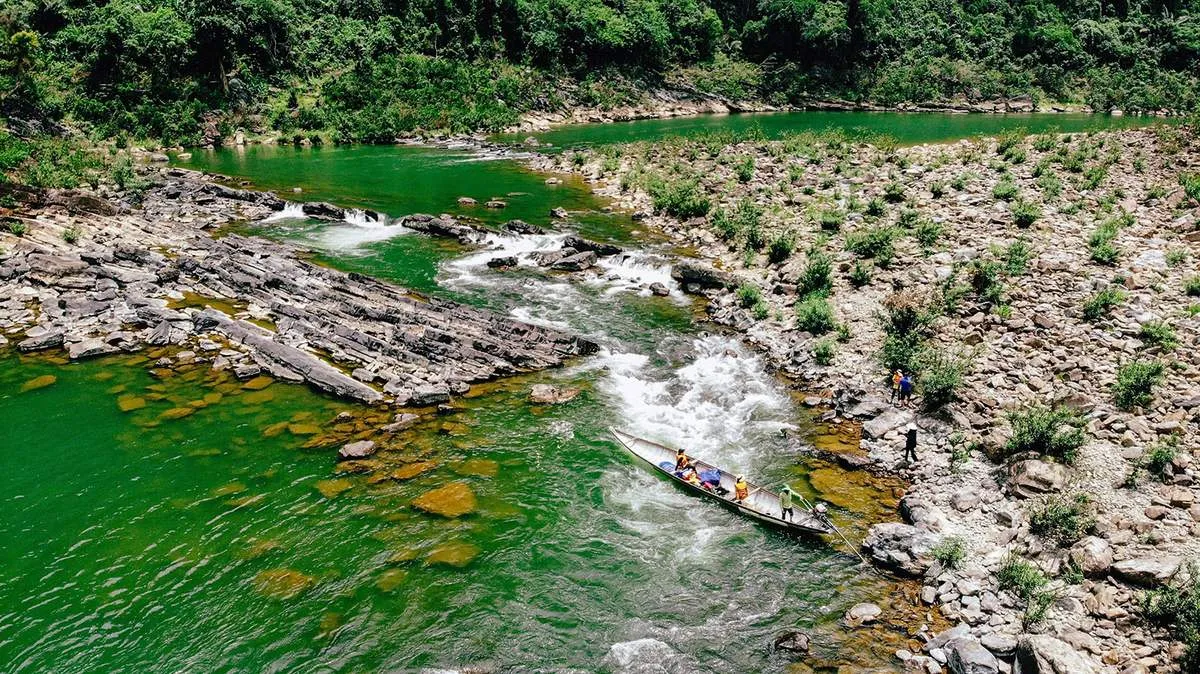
x=224 y=541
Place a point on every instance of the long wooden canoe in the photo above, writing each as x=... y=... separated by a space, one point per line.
x=761 y=504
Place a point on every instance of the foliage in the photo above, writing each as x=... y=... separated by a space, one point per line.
x=928 y=232
x=781 y=247
x=814 y=315
x=831 y=219
x=16 y=227
x=893 y=192
x=941 y=375
x=1159 y=458
x=682 y=198
x=816 y=279
x=1025 y=212
x=1160 y=334
x=823 y=352
x=950 y=552
x=1016 y=257
x=748 y=295
x=1006 y=189
x=1048 y=431
x=1102 y=303
x=1135 y=383
x=875 y=242
x=1176 y=606
x=71 y=234
x=1063 y=519
x=1191 y=287
x=744 y=169
x=860 y=275
x=1020 y=577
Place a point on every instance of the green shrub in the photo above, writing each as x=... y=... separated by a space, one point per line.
x=1005 y=190
x=928 y=232
x=909 y=218
x=906 y=313
x=1176 y=607
x=950 y=552
x=860 y=275
x=823 y=352
x=937 y=189
x=816 y=279
x=1160 y=334
x=744 y=169
x=831 y=219
x=1020 y=577
x=578 y=158
x=748 y=295
x=876 y=207
x=815 y=315
x=1191 y=287
x=1054 y=432
x=1015 y=155
x=941 y=376
x=16 y=227
x=1159 y=458
x=1016 y=257
x=760 y=310
x=1025 y=213
x=1101 y=241
x=71 y=234
x=1045 y=142
x=1063 y=519
x=875 y=242
x=985 y=281
x=1010 y=138
x=961 y=450
x=960 y=181
x=1102 y=303
x=1135 y=383
x=1176 y=256
x=902 y=352
x=1191 y=185
x=893 y=192
x=1050 y=185
x=681 y=198
x=781 y=247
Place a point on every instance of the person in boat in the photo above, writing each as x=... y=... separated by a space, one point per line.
x=693 y=478
x=710 y=480
x=682 y=463
x=785 y=503
x=741 y=490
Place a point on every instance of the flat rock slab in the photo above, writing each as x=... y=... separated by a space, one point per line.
x=39 y=382
x=452 y=500
x=357 y=450
x=548 y=394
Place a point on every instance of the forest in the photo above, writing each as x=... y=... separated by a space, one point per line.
x=371 y=70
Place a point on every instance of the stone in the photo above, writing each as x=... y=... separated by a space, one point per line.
x=401 y=422
x=548 y=394
x=39 y=382
x=1093 y=556
x=862 y=614
x=430 y=395
x=331 y=488
x=1001 y=645
x=129 y=403
x=411 y=470
x=964 y=500
x=44 y=339
x=890 y=420
x=965 y=655
x=600 y=249
x=456 y=555
x=1147 y=571
x=901 y=547
x=1034 y=477
x=792 y=641
x=466 y=201
x=356 y=450
x=659 y=289
x=1044 y=654
x=452 y=500
x=90 y=348
x=576 y=262
x=283 y=583
x=702 y=275
x=502 y=262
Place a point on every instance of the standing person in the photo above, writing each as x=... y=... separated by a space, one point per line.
x=910 y=443
x=897 y=376
x=906 y=389
x=785 y=503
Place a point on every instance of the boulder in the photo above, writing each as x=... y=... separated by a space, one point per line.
x=38 y=339
x=548 y=394
x=1043 y=654
x=601 y=249
x=522 y=227
x=792 y=642
x=466 y=201
x=1034 y=477
x=558 y=211
x=356 y=450
x=965 y=655
x=577 y=262
x=90 y=348
x=659 y=289
x=702 y=275
x=885 y=423
x=862 y=614
x=1147 y=571
x=502 y=262
x=452 y=500
x=901 y=547
x=1092 y=555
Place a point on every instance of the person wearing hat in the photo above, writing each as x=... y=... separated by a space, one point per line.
x=741 y=490
x=910 y=443
x=785 y=503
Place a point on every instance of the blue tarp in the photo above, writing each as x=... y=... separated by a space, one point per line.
x=713 y=476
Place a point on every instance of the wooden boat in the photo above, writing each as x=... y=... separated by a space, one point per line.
x=761 y=504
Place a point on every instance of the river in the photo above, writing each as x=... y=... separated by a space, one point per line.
x=131 y=541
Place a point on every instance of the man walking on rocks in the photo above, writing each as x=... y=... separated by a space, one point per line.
x=910 y=443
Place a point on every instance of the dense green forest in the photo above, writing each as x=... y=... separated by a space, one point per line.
x=369 y=70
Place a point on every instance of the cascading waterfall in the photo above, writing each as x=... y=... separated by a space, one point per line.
x=291 y=211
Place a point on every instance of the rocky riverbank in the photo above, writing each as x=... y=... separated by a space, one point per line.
x=1036 y=285
x=101 y=272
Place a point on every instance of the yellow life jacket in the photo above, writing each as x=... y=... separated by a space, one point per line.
x=741 y=490
x=682 y=461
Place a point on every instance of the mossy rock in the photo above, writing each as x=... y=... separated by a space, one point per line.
x=260 y=549
x=331 y=488
x=38 y=382
x=303 y=429
x=177 y=413
x=452 y=500
x=235 y=487
x=411 y=470
x=477 y=467
x=391 y=579
x=258 y=397
x=129 y=403
x=283 y=583
x=457 y=555
x=258 y=383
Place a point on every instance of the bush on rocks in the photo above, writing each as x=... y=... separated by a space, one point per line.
x=860 y=275
x=1159 y=458
x=1177 y=607
x=1135 y=383
x=781 y=247
x=1191 y=287
x=1160 y=334
x=941 y=375
x=748 y=295
x=1063 y=519
x=1020 y=577
x=875 y=242
x=681 y=198
x=1055 y=432
x=815 y=315
x=1025 y=213
x=816 y=278
x=950 y=552
x=1102 y=303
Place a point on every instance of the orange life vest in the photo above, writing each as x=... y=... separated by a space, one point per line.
x=741 y=490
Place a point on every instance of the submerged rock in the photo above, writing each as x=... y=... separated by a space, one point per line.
x=39 y=382
x=390 y=579
x=411 y=470
x=862 y=614
x=283 y=583
x=129 y=403
x=457 y=555
x=357 y=450
x=331 y=488
x=792 y=642
x=548 y=394
x=452 y=500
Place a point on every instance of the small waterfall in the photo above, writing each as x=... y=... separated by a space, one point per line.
x=361 y=218
x=291 y=211
x=636 y=271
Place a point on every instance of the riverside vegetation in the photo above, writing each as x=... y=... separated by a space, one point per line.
x=196 y=72
x=1053 y=506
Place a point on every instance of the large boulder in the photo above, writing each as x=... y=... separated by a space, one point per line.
x=901 y=547
x=792 y=642
x=885 y=423
x=1093 y=556
x=577 y=262
x=1034 y=477
x=548 y=394
x=862 y=614
x=452 y=500
x=357 y=450
x=703 y=275
x=1147 y=571
x=965 y=655
x=1043 y=654
x=601 y=249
